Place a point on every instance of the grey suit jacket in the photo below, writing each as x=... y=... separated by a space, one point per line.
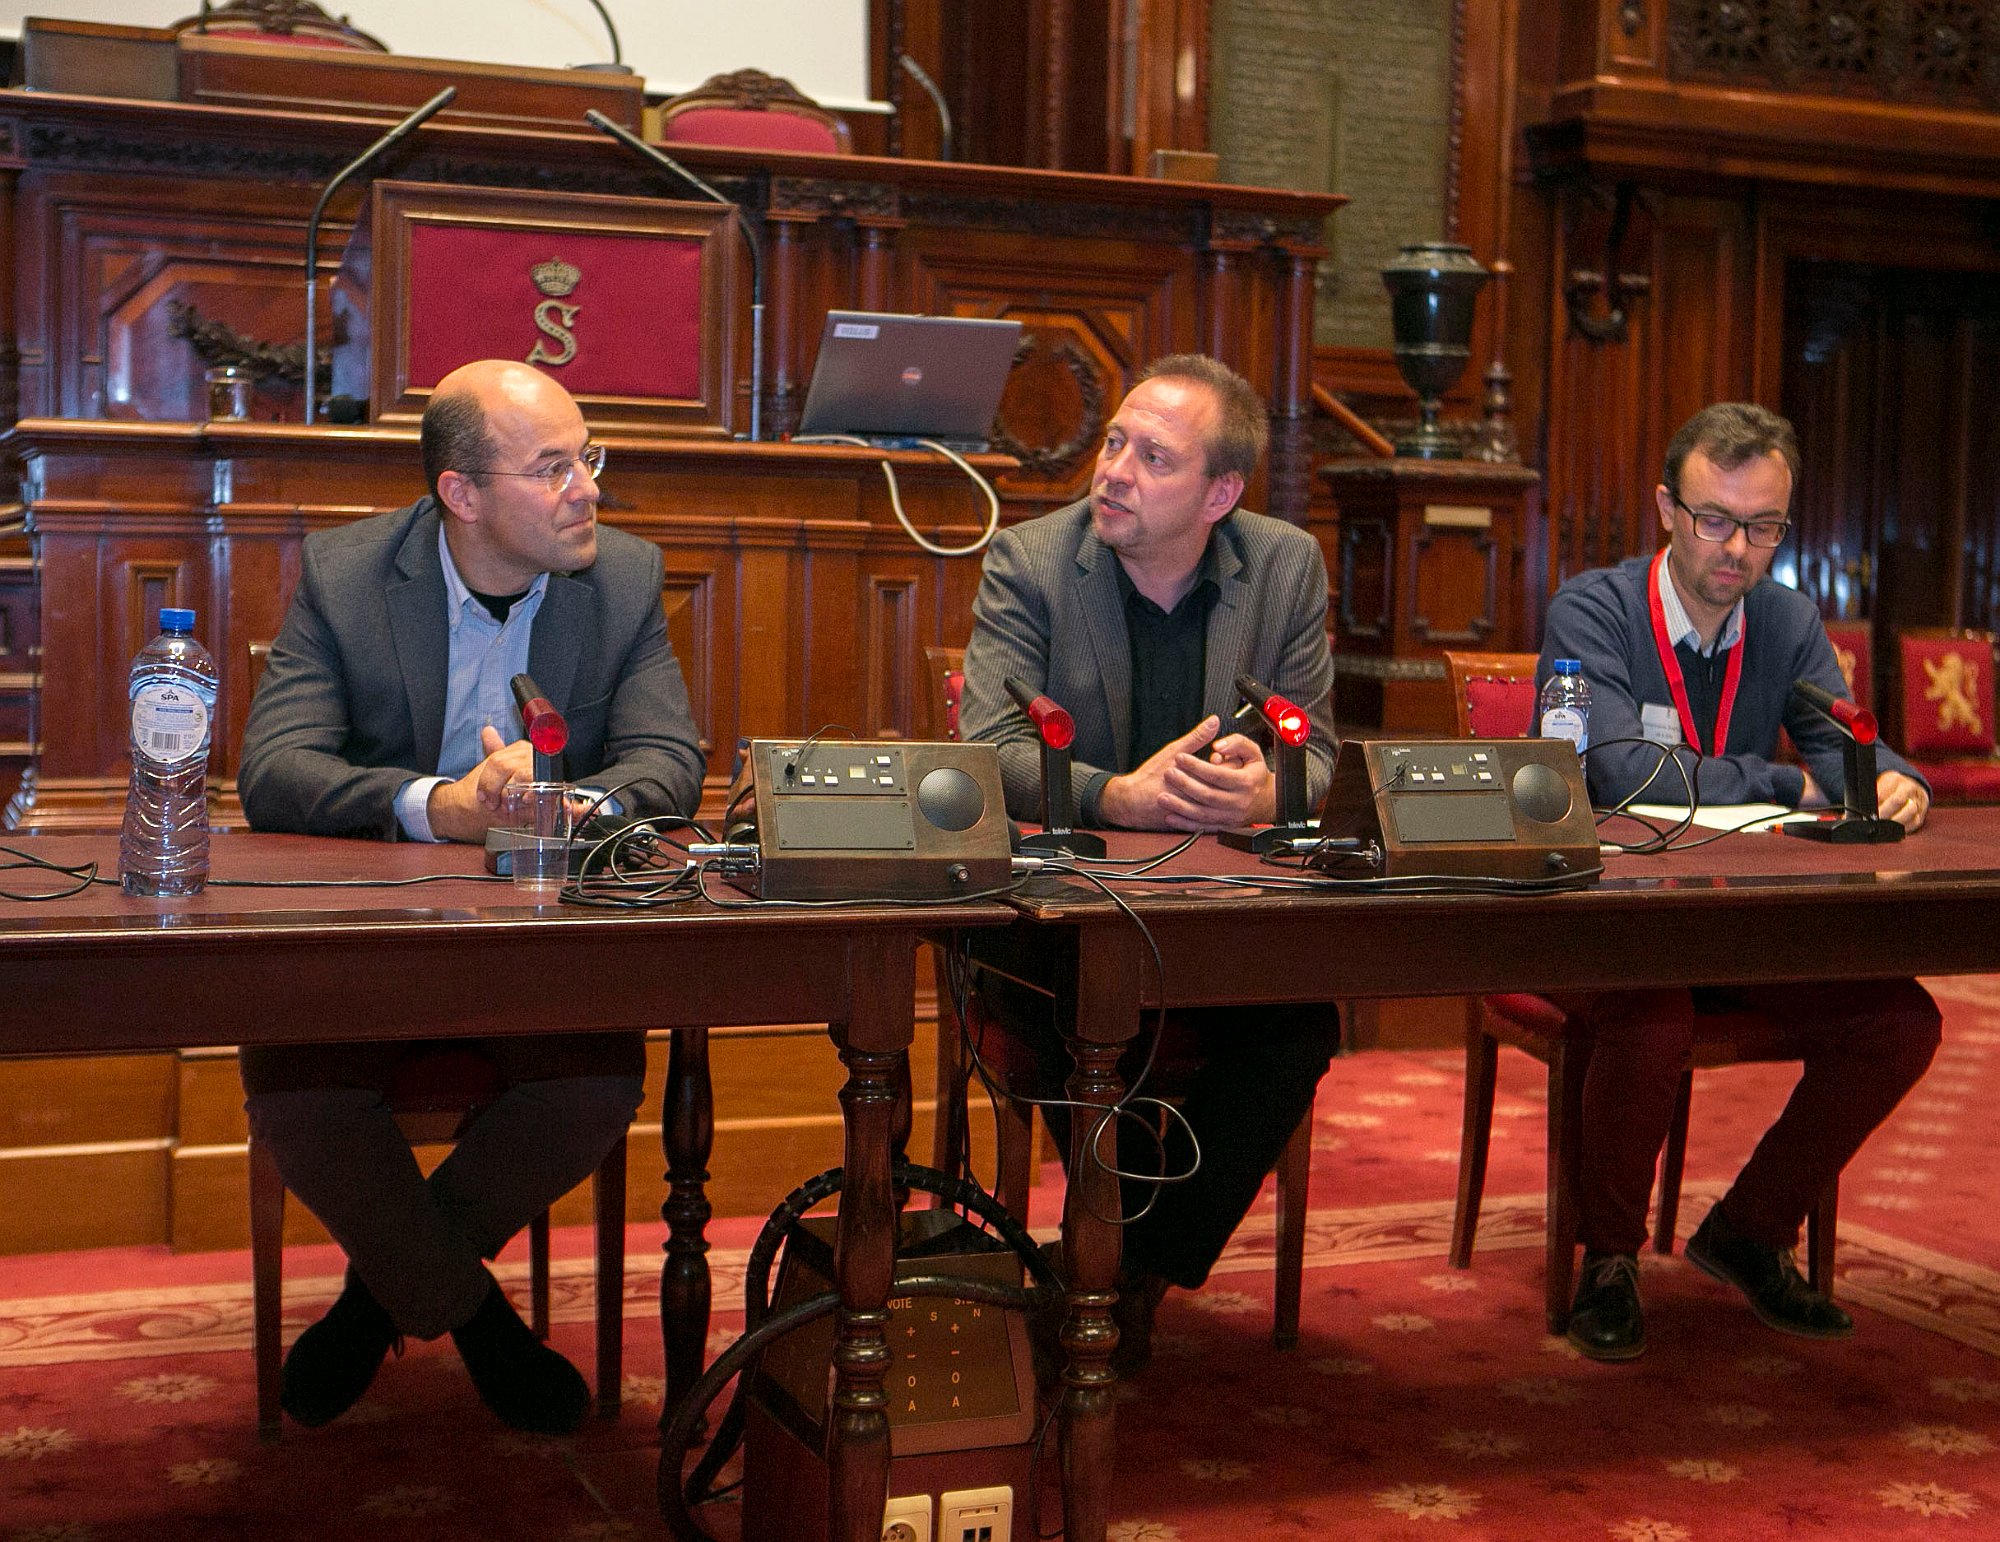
x=1050 y=612
x=351 y=706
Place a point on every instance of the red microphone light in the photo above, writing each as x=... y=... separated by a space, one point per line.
x=544 y=726
x=1859 y=719
x=1052 y=722
x=1287 y=721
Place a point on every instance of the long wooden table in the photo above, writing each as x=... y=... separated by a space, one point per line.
x=99 y=971
x=1744 y=909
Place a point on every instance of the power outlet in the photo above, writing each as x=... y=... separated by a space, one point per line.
x=907 y=1518
x=977 y=1515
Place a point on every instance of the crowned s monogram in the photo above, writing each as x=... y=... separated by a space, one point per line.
x=553 y=319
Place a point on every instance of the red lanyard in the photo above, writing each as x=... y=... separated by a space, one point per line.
x=1677 y=682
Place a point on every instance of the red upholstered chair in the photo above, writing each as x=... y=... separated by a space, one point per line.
x=279 y=21
x=1012 y=1066
x=1946 y=712
x=1854 y=650
x=750 y=110
x=1492 y=696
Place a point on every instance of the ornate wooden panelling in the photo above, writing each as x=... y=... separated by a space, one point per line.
x=1942 y=51
x=116 y=212
x=794 y=599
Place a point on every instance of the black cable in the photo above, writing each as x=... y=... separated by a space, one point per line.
x=80 y=877
x=1130 y=1101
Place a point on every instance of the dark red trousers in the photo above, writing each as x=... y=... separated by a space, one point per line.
x=1864 y=1045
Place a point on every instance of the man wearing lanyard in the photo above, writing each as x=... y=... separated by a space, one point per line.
x=1691 y=655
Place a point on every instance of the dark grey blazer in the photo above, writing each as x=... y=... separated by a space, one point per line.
x=1049 y=611
x=352 y=702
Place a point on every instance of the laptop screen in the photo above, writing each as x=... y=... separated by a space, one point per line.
x=895 y=379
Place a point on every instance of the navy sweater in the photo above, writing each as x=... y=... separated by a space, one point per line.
x=1603 y=618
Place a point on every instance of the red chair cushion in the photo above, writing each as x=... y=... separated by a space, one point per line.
x=1500 y=708
x=1536 y=1014
x=1947 y=696
x=1962 y=781
x=750 y=129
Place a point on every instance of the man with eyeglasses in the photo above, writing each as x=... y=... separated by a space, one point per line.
x=386 y=713
x=1691 y=654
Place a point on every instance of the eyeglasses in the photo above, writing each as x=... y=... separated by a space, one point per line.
x=1723 y=527
x=560 y=475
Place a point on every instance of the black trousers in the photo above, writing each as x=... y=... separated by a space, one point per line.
x=1255 y=1072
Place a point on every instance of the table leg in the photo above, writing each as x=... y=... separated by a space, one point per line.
x=1107 y=1013
x=874 y=1046
x=687 y=1133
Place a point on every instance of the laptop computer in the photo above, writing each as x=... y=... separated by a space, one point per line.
x=893 y=380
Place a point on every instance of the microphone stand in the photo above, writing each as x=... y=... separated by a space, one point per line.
x=1860 y=821
x=1054 y=731
x=617 y=64
x=922 y=77
x=1288 y=767
x=666 y=162
x=374 y=152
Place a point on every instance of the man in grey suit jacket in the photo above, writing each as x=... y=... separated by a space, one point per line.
x=1136 y=609
x=385 y=713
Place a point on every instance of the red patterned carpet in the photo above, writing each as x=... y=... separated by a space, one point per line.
x=1421 y=1403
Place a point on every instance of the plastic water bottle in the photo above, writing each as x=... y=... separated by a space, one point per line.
x=1565 y=705
x=163 y=848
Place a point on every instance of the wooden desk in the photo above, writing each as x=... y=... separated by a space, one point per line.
x=1746 y=909
x=99 y=971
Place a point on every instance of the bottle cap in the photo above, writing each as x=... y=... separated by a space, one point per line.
x=173 y=620
x=1559 y=666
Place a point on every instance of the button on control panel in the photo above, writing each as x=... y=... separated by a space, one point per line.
x=1441 y=768
x=837 y=770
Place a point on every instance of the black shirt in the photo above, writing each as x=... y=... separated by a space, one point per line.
x=1169 y=660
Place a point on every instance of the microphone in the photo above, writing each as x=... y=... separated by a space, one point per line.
x=666 y=162
x=617 y=64
x=1858 y=722
x=1860 y=820
x=1288 y=722
x=1290 y=729
x=374 y=152
x=542 y=726
x=1056 y=730
x=922 y=77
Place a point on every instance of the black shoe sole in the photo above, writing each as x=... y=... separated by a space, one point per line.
x=1715 y=1270
x=1612 y=1355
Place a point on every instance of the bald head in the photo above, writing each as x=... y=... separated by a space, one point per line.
x=503 y=450
x=460 y=418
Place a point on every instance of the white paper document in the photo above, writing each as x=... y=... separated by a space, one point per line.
x=1747 y=817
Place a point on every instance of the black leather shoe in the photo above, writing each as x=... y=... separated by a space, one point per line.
x=334 y=1360
x=1606 y=1322
x=520 y=1378
x=1768 y=1278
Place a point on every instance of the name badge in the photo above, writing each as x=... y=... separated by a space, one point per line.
x=1661 y=725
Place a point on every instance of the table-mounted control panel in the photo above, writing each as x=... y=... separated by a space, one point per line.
x=851 y=819
x=1494 y=808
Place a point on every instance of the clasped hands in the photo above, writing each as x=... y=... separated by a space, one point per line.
x=1195 y=782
